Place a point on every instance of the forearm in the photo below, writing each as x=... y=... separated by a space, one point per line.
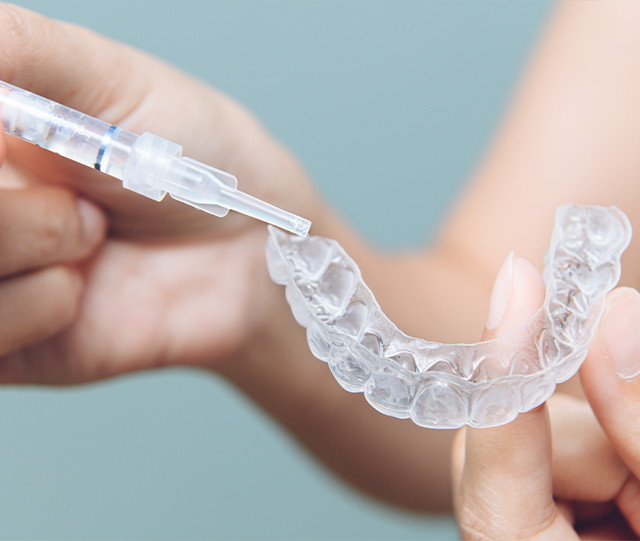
x=571 y=135
x=393 y=460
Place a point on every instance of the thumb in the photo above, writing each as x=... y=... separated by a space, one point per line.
x=502 y=475
x=518 y=293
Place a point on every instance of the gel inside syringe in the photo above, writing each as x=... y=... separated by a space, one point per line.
x=147 y=164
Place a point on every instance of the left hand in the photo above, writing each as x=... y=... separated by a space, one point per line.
x=171 y=285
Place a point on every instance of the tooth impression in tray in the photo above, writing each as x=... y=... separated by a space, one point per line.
x=450 y=385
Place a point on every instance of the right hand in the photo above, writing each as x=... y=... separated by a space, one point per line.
x=510 y=485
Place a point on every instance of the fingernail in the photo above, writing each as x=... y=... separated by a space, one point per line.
x=91 y=219
x=619 y=333
x=501 y=294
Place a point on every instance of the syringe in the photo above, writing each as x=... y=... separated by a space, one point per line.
x=147 y=164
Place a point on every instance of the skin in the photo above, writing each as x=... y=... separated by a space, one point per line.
x=144 y=297
x=138 y=286
x=554 y=473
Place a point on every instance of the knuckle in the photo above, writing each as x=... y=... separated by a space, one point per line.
x=37 y=306
x=472 y=529
x=38 y=227
x=12 y=22
x=63 y=286
x=61 y=230
x=55 y=299
x=23 y=37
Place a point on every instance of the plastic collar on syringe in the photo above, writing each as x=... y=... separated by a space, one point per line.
x=148 y=164
x=156 y=167
x=443 y=385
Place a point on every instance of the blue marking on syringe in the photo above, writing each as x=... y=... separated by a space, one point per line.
x=104 y=143
x=147 y=164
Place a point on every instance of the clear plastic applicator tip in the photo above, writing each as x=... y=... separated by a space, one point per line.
x=300 y=226
x=261 y=210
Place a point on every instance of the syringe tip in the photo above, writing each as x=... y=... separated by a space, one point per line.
x=256 y=208
x=300 y=226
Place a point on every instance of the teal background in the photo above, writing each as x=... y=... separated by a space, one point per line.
x=388 y=105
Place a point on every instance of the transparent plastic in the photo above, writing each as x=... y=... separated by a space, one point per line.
x=447 y=386
x=147 y=164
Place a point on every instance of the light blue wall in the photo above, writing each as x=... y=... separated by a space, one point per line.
x=388 y=105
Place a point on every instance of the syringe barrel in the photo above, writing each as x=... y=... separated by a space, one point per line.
x=146 y=164
x=63 y=130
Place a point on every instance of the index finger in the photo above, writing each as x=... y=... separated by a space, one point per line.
x=58 y=61
x=611 y=374
x=611 y=380
x=42 y=226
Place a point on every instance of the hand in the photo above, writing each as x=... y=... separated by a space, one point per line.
x=172 y=285
x=509 y=484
